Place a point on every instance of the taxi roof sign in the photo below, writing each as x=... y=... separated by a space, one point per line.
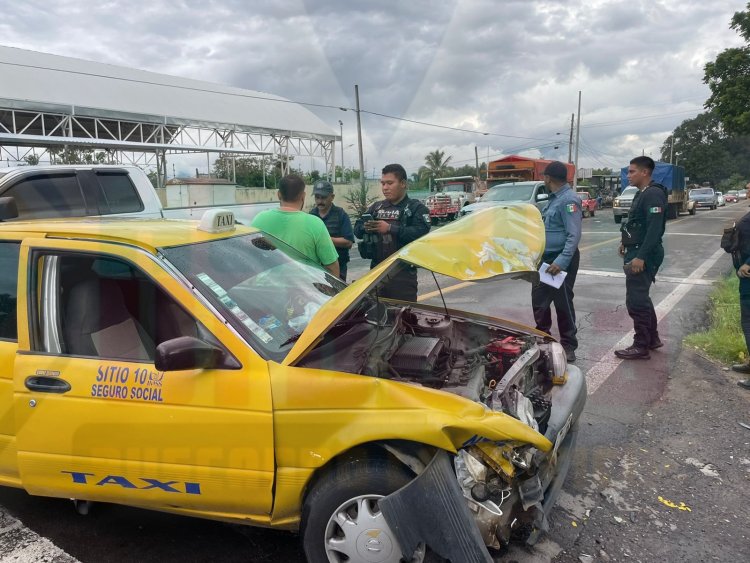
x=217 y=221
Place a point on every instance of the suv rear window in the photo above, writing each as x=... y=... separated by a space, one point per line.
x=118 y=193
x=48 y=196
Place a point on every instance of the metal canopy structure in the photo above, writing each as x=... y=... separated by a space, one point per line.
x=138 y=116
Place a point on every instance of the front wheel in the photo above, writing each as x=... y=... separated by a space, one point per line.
x=592 y=212
x=586 y=213
x=618 y=218
x=692 y=211
x=341 y=519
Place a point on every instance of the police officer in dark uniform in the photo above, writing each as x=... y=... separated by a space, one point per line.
x=643 y=253
x=336 y=220
x=393 y=223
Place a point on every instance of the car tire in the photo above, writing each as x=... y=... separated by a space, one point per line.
x=592 y=212
x=618 y=218
x=351 y=490
x=586 y=213
x=434 y=221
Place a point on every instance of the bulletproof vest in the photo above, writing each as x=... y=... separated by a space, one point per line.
x=333 y=224
x=393 y=215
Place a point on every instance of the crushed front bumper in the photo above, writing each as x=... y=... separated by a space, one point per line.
x=433 y=509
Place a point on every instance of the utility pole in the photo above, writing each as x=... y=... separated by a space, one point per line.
x=570 y=142
x=671 y=150
x=578 y=140
x=476 y=158
x=359 y=138
x=341 y=128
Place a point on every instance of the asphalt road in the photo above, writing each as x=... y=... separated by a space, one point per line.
x=622 y=394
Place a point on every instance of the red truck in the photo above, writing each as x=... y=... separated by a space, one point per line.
x=441 y=207
x=588 y=204
x=516 y=168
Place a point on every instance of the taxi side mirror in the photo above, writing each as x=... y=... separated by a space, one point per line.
x=187 y=352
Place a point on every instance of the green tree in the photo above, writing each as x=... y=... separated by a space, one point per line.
x=602 y=172
x=436 y=165
x=702 y=146
x=249 y=170
x=728 y=77
x=31 y=159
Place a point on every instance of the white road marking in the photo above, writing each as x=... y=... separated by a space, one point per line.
x=21 y=545
x=608 y=363
x=666 y=233
x=666 y=279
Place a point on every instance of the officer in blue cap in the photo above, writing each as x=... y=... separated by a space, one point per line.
x=562 y=227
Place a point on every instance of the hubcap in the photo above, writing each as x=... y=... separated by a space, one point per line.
x=358 y=533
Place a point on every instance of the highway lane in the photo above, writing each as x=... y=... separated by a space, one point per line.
x=116 y=533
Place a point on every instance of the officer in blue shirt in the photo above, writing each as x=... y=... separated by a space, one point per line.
x=562 y=226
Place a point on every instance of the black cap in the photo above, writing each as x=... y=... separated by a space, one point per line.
x=322 y=187
x=556 y=170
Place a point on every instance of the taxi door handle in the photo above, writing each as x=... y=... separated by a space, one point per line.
x=46 y=384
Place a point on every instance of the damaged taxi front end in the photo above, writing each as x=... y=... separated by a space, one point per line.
x=497 y=457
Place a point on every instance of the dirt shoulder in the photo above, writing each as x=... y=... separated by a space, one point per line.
x=679 y=490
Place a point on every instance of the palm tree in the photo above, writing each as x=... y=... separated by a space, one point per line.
x=436 y=165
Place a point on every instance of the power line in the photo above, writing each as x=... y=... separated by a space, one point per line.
x=658 y=116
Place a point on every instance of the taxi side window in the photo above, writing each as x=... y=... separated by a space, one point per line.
x=9 y=252
x=101 y=306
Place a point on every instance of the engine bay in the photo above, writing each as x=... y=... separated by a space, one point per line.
x=506 y=370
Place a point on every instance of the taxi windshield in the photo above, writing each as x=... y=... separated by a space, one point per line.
x=267 y=291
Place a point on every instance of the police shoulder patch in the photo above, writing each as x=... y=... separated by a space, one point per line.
x=571 y=208
x=654 y=209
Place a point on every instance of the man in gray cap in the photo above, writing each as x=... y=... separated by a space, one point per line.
x=336 y=220
x=562 y=226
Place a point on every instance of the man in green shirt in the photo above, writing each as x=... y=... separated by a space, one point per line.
x=298 y=229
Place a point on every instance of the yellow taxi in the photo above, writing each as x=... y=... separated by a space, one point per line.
x=207 y=369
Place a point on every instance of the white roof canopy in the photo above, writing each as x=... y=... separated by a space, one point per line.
x=41 y=82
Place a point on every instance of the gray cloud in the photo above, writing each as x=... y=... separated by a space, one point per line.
x=512 y=67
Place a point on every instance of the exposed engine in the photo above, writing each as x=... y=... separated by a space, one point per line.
x=507 y=370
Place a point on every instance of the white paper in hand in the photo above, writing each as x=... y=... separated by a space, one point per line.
x=555 y=281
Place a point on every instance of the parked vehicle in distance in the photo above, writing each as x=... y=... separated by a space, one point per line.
x=534 y=193
x=732 y=196
x=672 y=177
x=441 y=207
x=704 y=197
x=516 y=168
x=742 y=194
x=720 y=199
x=51 y=192
x=621 y=204
x=588 y=204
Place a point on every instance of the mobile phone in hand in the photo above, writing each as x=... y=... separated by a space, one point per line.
x=366 y=217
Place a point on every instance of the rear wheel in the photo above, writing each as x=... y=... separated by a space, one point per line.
x=592 y=212
x=618 y=218
x=341 y=519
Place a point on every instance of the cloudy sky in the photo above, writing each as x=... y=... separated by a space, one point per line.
x=509 y=68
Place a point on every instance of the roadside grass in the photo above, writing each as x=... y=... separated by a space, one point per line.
x=723 y=340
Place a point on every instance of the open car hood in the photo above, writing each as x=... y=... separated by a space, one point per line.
x=506 y=240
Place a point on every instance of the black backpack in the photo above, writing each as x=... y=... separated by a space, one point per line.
x=730 y=239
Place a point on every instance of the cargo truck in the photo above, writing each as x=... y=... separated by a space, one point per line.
x=671 y=177
x=516 y=168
